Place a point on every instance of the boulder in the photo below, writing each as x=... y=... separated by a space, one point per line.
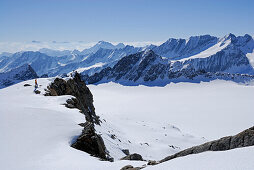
x=27 y=85
x=135 y=156
x=130 y=167
x=37 y=91
x=150 y=162
x=127 y=167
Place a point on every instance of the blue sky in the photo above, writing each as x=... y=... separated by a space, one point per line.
x=122 y=20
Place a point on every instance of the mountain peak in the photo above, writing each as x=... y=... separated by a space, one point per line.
x=103 y=42
x=230 y=36
x=120 y=45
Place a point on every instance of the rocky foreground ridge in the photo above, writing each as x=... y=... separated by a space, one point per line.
x=89 y=141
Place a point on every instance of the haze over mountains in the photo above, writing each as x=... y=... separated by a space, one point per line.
x=199 y=58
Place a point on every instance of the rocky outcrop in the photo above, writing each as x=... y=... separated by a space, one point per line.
x=89 y=141
x=135 y=156
x=129 y=167
x=83 y=97
x=243 y=139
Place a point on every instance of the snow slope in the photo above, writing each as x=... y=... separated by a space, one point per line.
x=235 y=159
x=36 y=131
x=210 y=51
x=211 y=110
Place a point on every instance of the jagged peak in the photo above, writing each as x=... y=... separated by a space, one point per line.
x=148 y=52
x=199 y=37
x=229 y=36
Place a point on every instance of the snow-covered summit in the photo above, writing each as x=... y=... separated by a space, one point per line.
x=102 y=44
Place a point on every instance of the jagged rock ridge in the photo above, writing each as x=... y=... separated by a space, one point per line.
x=243 y=139
x=89 y=141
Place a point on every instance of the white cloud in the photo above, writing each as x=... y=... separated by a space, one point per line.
x=13 y=47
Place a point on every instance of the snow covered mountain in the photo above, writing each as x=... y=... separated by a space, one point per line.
x=40 y=62
x=102 y=44
x=22 y=73
x=51 y=52
x=182 y=48
x=94 y=62
x=195 y=59
x=151 y=69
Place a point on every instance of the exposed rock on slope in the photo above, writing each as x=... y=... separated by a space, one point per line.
x=89 y=141
x=75 y=87
x=243 y=139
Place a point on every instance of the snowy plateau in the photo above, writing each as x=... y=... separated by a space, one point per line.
x=156 y=101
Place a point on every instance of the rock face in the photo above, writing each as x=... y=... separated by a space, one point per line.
x=75 y=87
x=89 y=141
x=243 y=139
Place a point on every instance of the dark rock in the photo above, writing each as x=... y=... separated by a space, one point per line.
x=150 y=162
x=37 y=91
x=243 y=139
x=134 y=156
x=127 y=167
x=89 y=141
x=113 y=136
x=126 y=151
x=130 y=167
x=27 y=85
x=71 y=103
x=83 y=97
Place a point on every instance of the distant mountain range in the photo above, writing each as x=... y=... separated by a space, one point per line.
x=199 y=58
x=16 y=75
